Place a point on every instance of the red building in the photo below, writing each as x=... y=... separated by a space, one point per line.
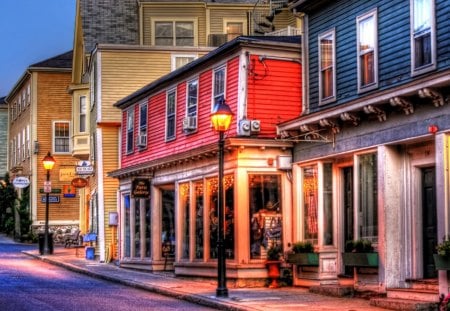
x=169 y=167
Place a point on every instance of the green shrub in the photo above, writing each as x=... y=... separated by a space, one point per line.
x=302 y=247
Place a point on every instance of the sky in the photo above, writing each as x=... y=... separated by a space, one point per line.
x=32 y=31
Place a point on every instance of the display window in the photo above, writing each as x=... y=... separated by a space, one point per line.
x=265 y=214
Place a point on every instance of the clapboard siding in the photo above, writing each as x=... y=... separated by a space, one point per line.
x=53 y=103
x=123 y=73
x=393 y=42
x=273 y=96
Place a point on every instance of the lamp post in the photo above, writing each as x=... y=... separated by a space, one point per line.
x=221 y=119
x=48 y=162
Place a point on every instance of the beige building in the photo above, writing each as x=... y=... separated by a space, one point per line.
x=40 y=122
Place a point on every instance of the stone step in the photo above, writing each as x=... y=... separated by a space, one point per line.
x=425 y=285
x=333 y=290
x=403 y=304
x=413 y=294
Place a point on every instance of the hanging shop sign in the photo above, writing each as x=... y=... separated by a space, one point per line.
x=79 y=182
x=140 y=188
x=21 y=182
x=84 y=168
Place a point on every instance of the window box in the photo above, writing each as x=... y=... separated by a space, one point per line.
x=360 y=259
x=441 y=262
x=304 y=259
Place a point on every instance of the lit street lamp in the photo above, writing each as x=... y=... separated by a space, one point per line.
x=221 y=119
x=48 y=162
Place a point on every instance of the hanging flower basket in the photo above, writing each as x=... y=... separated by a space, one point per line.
x=441 y=262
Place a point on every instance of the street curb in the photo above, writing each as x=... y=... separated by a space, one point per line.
x=193 y=298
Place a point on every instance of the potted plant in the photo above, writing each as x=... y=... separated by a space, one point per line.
x=303 y=254
x=442 y=258
x=360 y=253
x=273 y=264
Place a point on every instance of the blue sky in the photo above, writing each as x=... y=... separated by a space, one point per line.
x=32 y=31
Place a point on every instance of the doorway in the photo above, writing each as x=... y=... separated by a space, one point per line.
x=347 y=192
x=429 y=218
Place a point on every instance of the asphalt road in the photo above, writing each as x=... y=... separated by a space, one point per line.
x=27 y=284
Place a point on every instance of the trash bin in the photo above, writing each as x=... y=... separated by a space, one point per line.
x=90 y=252
x=41 y=242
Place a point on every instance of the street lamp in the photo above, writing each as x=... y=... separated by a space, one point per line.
x=48 y=162
x=221 y=119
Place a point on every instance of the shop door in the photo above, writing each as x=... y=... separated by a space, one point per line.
x=429 y=221
x=347 y=173
x=168 y=223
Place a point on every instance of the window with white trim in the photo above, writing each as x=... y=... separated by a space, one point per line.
x=423 y=54
x=218 y=85
x=19 y=148
x=181 y=60
x=130 y=130
x=170 y=114
x=327 y=67
x=234 y=29
x=143 y=116
x=28 y=94
x=28 y=142
x=61 y=136
x=367 y=48
x=82 y=116
x=190 y=123
x=174 y=33
x=24 y=149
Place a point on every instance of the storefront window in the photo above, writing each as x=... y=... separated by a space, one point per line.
x=168 y=223
x=147 y=229
x=137 y=228
x=184 y=210
x=198 y=186
x=265 y=213
x=229 y=216
x=310 y=203
x=327 y=204
x=368 y=197
x=127 y=238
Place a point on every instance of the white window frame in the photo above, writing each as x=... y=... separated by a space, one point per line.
x=231 y=36
x=28 y=142
x=218 y=94
x=82 y=113
x=191 y=107
x=428 y=67
x=322 y=36
x=24 y=149
x=171 y=116
x=178 y=56
x=19 y=147
x=61 y=137
x=143 y=128
x=194 y=21
x=373 y=15
x=129 y=147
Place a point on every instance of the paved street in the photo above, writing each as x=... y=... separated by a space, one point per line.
x=94 y=292
x=28 y=284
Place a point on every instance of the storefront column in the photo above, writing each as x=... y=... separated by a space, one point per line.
x=442 y=204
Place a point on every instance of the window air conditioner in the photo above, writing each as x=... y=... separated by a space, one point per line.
x=142 y=140
x=190 y=123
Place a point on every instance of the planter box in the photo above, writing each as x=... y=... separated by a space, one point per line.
x=304 y=259
x=441 y=262
x=360 y=259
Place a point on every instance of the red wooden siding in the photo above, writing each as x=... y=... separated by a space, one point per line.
x=272 y=99
x=274 y=92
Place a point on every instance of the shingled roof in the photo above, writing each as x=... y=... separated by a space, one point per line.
x=109 y=21
x=60 y=61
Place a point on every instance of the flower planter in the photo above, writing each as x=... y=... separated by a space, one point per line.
x=360 y=259
x=441 y=262
x=273 y=271
x=304 y=259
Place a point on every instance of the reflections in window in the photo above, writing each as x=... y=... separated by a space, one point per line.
x=168 y=223
x=199 y=210
x=265 y=214
x=368 y=197
x=327 y=204
x=310 y=203
x=185 y=216
x=127 y=238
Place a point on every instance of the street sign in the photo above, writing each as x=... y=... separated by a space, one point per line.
x=84 y=168
x=47 y=186
x=51 y=199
